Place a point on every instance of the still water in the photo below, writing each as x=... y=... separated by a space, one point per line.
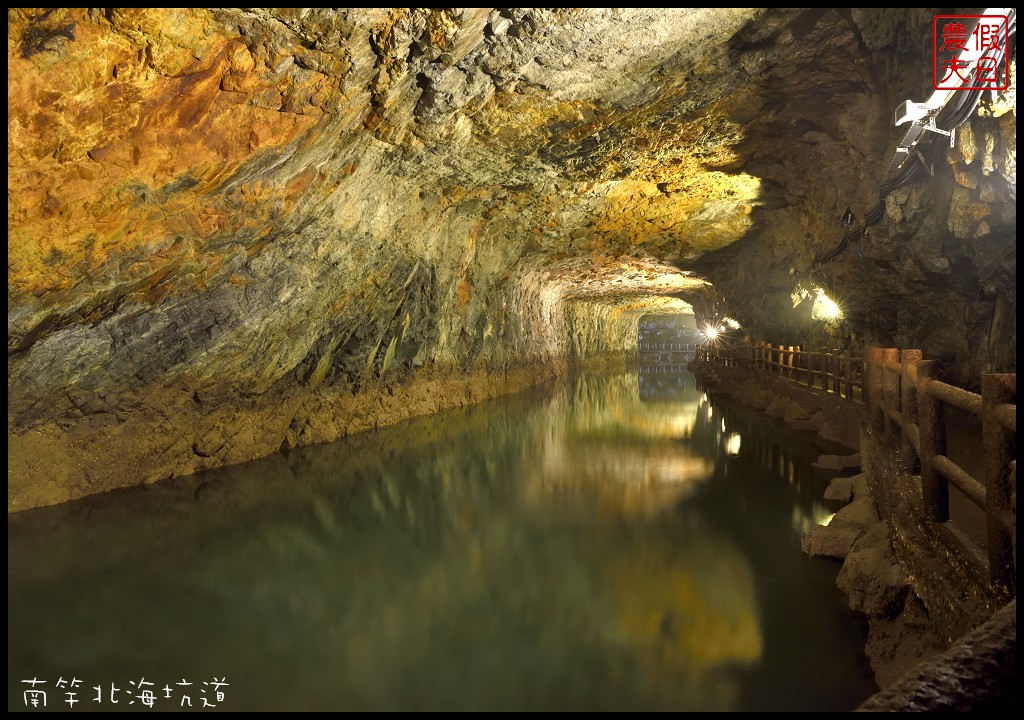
x=614 y=542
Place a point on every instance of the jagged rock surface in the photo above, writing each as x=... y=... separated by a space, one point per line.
x=232 y=230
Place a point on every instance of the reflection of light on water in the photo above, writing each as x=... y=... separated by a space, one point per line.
x=804 y=522
x=693 y=608
x=614 y=407
x=629 y=482
x=676 y=469
x=732 y=443
x=619 y=453
x=676 y=421
x=423 y=573
x=623 y=467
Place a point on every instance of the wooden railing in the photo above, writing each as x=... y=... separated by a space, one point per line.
x=904 y=397
x=829 y=370
x=666 y=347
x=666 y=369
x=672 y=354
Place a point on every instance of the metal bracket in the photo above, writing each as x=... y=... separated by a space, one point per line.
x=930 y=125
x=929 y=168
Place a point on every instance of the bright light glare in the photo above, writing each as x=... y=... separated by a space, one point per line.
x=713 y=332
x=822 y=308
x=825 y=308
x=731 y=323
x=732 y=443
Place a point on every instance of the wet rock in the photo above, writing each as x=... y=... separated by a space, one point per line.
x=829 y=541
x=794 y=413
x=897 y=646
x=777 y=408
x=976 y=674
x=872 y=578
x=844 y=531
x=837 y=462
x=840 y=489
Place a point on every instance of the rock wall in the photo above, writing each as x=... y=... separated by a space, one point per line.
x=235 y=230
x=938 y=273
x=232 y=231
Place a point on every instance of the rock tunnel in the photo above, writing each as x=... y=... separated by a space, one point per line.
x=220 y=222
x=237 y=231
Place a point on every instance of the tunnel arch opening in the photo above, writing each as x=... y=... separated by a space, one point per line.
x=667 y=338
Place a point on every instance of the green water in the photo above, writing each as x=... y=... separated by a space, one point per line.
x=616 y=542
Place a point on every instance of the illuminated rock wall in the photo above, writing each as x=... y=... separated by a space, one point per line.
x=938 y=273
x=232 y=231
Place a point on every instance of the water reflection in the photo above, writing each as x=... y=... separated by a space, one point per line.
x=605 y=448
x=599 y=545
x=663 y=382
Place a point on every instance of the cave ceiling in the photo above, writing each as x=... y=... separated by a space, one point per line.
x=232 y=231
x=213 y=172
x=141 y=142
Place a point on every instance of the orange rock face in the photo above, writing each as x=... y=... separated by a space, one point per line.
x=247 y=213
x=118 y=152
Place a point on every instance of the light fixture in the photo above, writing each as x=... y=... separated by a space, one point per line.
x=910 y=111
x=825 y=308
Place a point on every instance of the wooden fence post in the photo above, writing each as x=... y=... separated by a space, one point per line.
x=837 y=373
x=890 y=389
x=908 y=407
x=934 y=486
x=825 y=369
x=873 y=387
x=1000 y=447
x=848 y=374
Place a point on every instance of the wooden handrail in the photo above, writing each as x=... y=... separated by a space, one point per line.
x=905 y=399
x=834 y=371
x=957 y=397
x=1007 y=415
x=905 y=395
x=961 y=478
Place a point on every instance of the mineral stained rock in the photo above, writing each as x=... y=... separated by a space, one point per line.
x=236 y=230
